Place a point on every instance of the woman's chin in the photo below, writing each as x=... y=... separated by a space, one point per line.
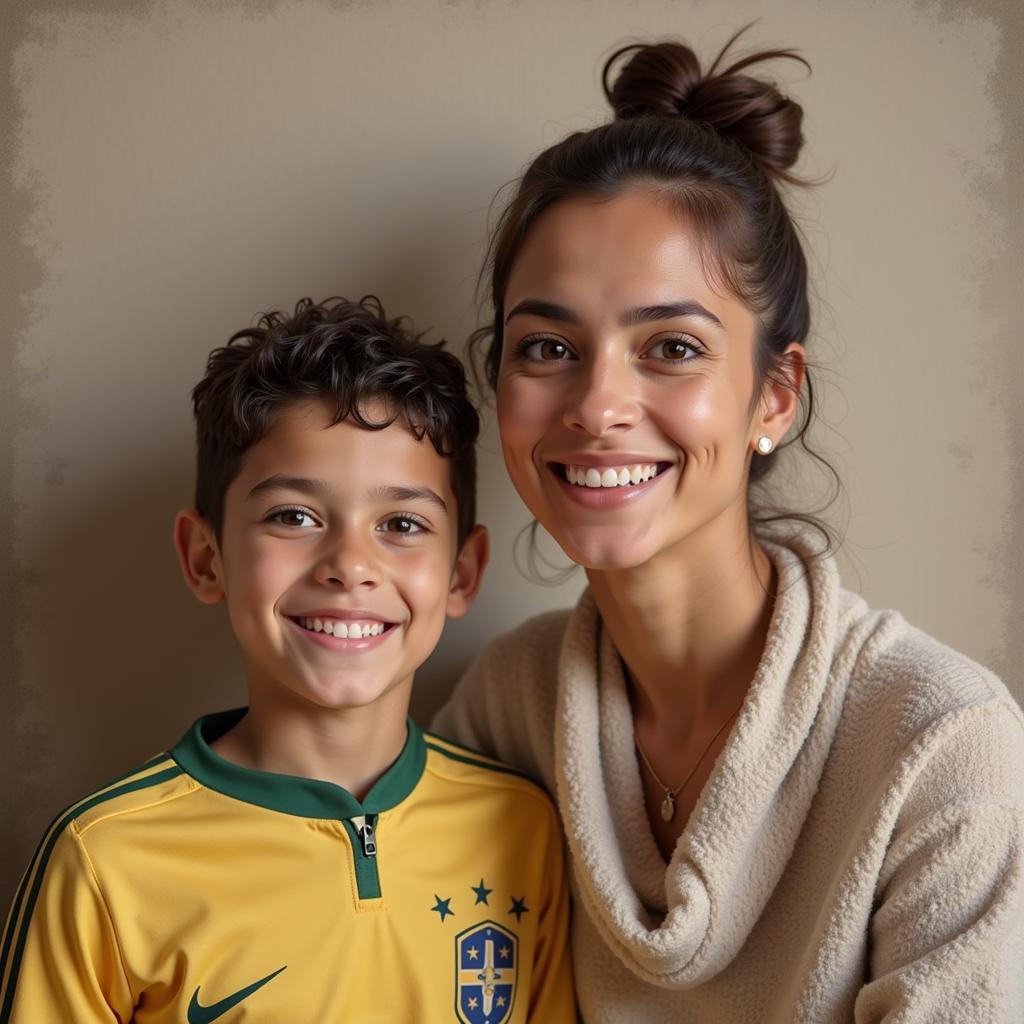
x=607 y=549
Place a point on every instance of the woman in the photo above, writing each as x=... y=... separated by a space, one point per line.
x=780 y=805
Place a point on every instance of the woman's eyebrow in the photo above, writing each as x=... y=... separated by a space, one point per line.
x=668 y=311
x=547 y=310
x=628 y=318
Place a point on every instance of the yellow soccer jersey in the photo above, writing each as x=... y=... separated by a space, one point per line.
x=194 y=891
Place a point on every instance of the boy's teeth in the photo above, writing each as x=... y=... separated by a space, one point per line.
x=610 y=476
x=343 y=630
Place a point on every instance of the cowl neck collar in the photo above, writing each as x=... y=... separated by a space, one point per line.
x=680 y=926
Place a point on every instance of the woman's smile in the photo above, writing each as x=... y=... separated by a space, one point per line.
x=608 y=482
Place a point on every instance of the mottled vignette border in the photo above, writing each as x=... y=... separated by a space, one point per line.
x=22 y=273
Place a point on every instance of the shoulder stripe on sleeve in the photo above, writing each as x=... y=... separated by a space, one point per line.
x=72 y=809
x=24 y=901
x=456 y=752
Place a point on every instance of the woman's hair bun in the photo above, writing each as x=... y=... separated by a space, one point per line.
x=665 y=79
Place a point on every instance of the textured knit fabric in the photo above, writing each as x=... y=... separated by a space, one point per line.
x=857 y=853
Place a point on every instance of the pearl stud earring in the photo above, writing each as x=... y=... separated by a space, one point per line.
x=765 y=444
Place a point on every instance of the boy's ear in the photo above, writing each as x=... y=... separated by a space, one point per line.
x=468 y=572
x=780 y=398
x=198 y=555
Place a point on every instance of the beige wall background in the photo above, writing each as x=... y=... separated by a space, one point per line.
x=172 y=168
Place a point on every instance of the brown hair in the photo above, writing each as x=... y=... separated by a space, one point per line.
x=350 y=353
x=714 y=143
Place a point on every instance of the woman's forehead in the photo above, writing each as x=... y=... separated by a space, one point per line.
x=600 y=257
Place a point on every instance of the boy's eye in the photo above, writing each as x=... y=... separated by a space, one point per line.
x=404 y=524
x=293 y=517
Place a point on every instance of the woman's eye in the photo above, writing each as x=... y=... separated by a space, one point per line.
x=293 y=517
x=673 y=350
x=405 y=525
x=548 y=350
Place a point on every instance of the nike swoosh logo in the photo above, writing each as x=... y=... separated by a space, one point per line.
x=206 y=1014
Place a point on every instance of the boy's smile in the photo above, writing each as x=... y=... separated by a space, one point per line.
x=338 y=558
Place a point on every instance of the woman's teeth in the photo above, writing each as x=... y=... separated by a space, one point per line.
x=344 y=630
x=610 y=476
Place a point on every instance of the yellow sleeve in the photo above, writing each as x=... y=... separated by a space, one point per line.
x=60 y=957
x=552 y=995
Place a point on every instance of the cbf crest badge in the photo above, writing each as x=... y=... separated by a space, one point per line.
x=486 y=963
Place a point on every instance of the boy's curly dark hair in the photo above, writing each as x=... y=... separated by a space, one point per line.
x=350 y=353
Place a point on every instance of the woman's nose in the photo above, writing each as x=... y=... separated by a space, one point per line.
x=604 y=400
x=348 y=562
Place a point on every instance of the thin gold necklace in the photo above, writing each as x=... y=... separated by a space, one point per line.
x=668 y=805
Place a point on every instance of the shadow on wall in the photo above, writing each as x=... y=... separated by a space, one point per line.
x=129 y=657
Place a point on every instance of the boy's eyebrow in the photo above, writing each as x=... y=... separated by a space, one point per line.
x=410 y=494
x=280 y=482
x=317 y=488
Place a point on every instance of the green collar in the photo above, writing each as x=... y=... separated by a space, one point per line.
x=292 y=794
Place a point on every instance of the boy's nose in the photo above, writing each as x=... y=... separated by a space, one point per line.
x=348 y=565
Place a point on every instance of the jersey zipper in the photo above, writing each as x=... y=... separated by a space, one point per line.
x=362 y=832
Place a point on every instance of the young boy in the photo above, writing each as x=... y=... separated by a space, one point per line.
x=315 y=857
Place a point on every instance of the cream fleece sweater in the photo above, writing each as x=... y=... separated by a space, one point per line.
x=857 y=853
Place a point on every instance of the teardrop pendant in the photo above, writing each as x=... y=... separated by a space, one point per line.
x=668 y=807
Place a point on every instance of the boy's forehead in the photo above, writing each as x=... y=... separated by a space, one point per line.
x=303 y=441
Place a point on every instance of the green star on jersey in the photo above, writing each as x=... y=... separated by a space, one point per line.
x=519 y=908
x=482 y=892
x=441 y=907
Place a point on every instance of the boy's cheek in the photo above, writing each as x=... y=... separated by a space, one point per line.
x=261 y=568
x=425 y=580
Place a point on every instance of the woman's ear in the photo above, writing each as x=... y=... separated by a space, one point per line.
x=780 y=396
x=198 y=555
x=468 y=572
